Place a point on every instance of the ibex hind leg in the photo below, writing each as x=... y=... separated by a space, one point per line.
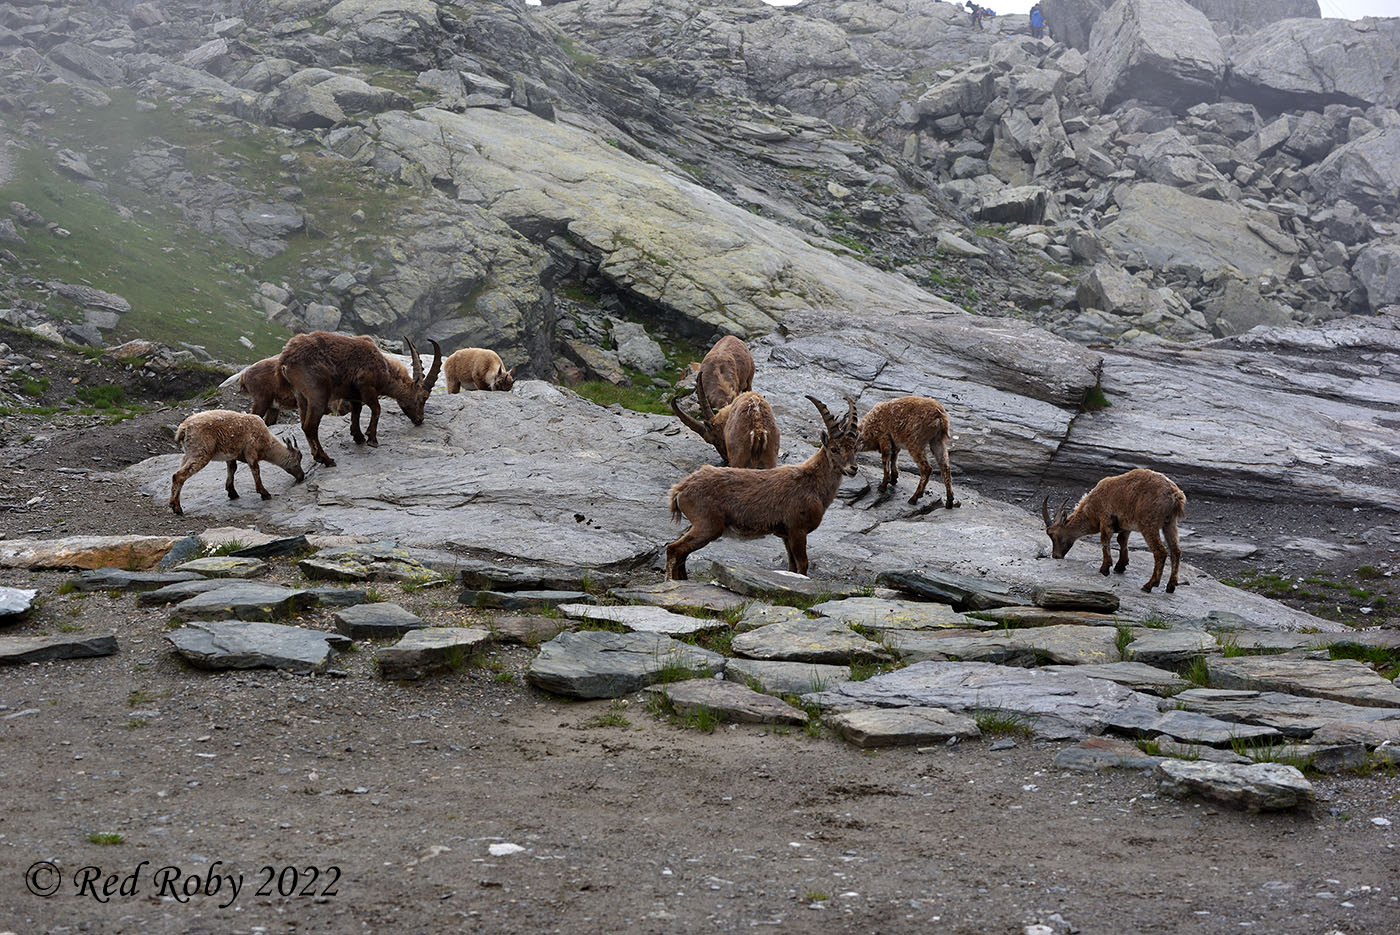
x=1159 y=558
x=1122 y=565
x=228 y=484
x=1174 y=549
x=940 y=455
x=797 y=553
x=355 y=432
x=189 y=467
x=692 y=540
x=311 y=414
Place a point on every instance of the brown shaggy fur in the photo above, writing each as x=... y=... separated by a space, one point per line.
x=745 y=433
x=1140 y=499
x=270 y=394
x=320 y=366
x=223 y=435
x=788 y=502
x=478 y=367
x=917 y=424
x=727 y=371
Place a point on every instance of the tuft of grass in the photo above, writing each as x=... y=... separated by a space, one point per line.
x=999 y=722
x=106 y=838
x=1384 y=659
x=67 y=587
x=1123 y=640
x=225 y=548
x=1095 y=400
x=637 y=398
x=134 y=723
x=140 y=696
x=611 y=719
x=1197 y=671
x=375 y=596
x=1270 y=751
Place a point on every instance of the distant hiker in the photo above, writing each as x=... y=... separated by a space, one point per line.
x=1037 y=22
x=975 y=13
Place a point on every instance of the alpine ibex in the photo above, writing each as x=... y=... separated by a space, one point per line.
x=321 y=365
x=745 y=433
x=478 y=367
x=1140 y=499
x=727 y=371
x=915 y=423
x=222 y=435
x=270 y=394
x=788 y=501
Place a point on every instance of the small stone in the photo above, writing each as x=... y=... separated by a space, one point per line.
x=15 y=603
x=884 y=727
x=376 y=621
x=1075 y=597
x=239 y=644
x=645 y=619
x=522 y=600
x=430 y=650
x=731 y=701
x=1256 y=787
x=15 y=650
x=225 y=566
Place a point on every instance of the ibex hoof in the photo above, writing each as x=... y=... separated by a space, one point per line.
x=175 y=508
x=266 y=496
x=233 y=495
x=1170 y=588
x=374 y=443
x=327 y=460
x=1119 y=569
x=953 y=504
x=1104 y=571
x=1147 y=588
x=359 y=439
x=913 y=500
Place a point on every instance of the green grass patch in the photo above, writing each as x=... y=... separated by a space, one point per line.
x=1001 y=723
x=106 y=838
x=1197 y=671
x=1094 y=400
x=637 y=398
x=103 y=396
x=1385 y=659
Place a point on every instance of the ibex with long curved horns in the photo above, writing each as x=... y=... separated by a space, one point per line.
x=788 y=501
x=745 y=433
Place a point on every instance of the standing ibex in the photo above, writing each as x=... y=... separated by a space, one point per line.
x=788 y=502
x=270 y=394
x=321 y=365
x=745 y=433
x=1140 y=499
x=916 y=423
x=222 y=435
x=478 y=367
x=727 y=371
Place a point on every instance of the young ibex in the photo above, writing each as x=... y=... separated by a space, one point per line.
x=915 y=423
x=745 y=433
x=788 y=502
x=727 y=371
x=1140 y=499
x=478 y=367
x=321 y=365
x=222 y=435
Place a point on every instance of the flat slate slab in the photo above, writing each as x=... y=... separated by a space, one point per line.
x=284 y=545
x=1135 y=675
x=1070 y=645
x=1096 y=753
x=889 y=727
x=731 y=701
x=966 y=645
x=677 y=595
x=1348 y=680
x=963 y=592
x=116 y=579
x=522 y=600
x=785 y=678
x=1017 y=616
x=137 y=552
x=1371 y=733
x=1256 y=787
x=16 y=650
x=485 y=576
x=243 y=600
x=1170 y=647
x=1187 y=727
x=1292 y=715
x=818 y=640
x=243 y=644
x=376 y=621
x=430 y=651
x=770 y=582
x=601 y=664
x=224 y=566
x=1055 y=705
x=1075 y=597
x=526 y=629
x=645 y=619
x=758 y=614
x=15 y=603
x=369 y=562
x=896 y=614
x=181 y=590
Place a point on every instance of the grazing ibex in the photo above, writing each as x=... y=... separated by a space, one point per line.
x=745 y=433
x=1140 y=499
x=727 y=371
x=222 y=435
x=788 y=502
x=270 y=394
x=915 y=423
x=321 y=365
x=478 y=367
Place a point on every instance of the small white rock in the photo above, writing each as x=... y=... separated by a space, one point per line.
x=504 y=850
x=1381 y=822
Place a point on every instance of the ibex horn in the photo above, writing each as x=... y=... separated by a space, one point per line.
x=1060 y=515
x=1045 y=512
x=850 y=414
x=417 y=361
x=436 y=368
x=690 y=421
x=706 y=413
x=825 y=413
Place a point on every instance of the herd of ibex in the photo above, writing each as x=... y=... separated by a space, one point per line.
x=750 y=496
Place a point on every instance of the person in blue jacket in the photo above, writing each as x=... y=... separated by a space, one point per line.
x=1037 y=22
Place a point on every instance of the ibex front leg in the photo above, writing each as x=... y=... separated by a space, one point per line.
x=1105 y=537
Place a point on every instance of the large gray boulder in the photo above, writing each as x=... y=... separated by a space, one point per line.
x=1156 y=51
x=1377 y=268
x=1365 y=171
x=1309 y=63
